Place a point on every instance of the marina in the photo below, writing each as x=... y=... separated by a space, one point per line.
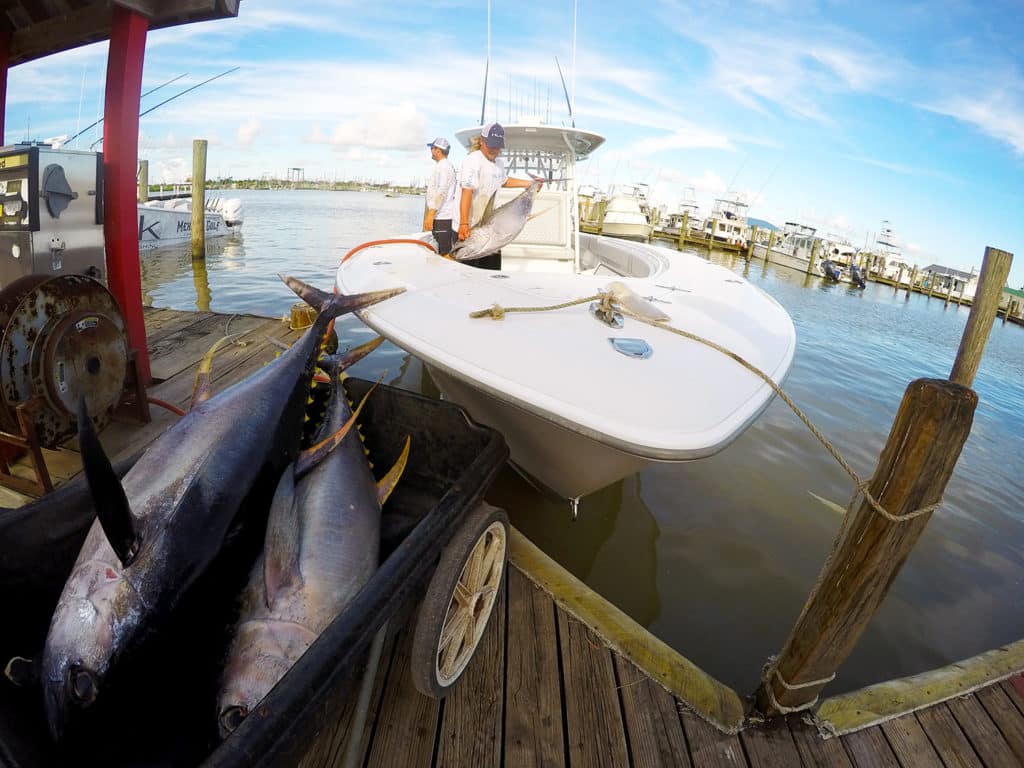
x=692 y=498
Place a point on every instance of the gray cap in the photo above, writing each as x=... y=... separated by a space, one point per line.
x=440 y=143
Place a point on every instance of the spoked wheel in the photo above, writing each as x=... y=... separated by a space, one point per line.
x=459 y=601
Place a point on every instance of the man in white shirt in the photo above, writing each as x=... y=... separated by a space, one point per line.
x=482 y=173
x=441 y=206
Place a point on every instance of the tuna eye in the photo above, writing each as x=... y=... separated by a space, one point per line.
x=83 y=686
x=231 y=718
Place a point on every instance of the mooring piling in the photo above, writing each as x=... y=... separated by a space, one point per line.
x=198 y=198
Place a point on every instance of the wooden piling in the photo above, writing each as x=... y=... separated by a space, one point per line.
x=924 y=444
x=711 y=235
x=143 y=180
x=899 y=279
x=683 y=230
x=768 y=250
x=750 y=245
x=814 y=257
x=198 y=198
x=995 y=268
x=913 y=278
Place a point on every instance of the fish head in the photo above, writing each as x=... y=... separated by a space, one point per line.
x=96 y=612
x=254 y=667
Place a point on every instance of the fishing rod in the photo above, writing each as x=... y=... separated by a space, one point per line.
x=151 y=90
x=572 y=120
x=487 y=67
x=166 y=101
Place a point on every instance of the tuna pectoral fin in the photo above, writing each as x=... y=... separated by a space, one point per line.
x=488 y=209
x=387 y=483
x=281 y=547
x=313 y=455
x=107 y=494
x=337 y=304
x=202 y=387
x=21 y=671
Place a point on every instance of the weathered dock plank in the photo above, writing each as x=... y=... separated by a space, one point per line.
x=406 y=727
x=1006 y=717
x=949 y=741
x=473 y=713
x=869 y=749
x=770 y=745
x=533 y=691
x=910 y=743
x=709 y=747
x=816 y=751
x=651 y=713
x=596 y=733
x=982 y=732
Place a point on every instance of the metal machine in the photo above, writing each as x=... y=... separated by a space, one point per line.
x=51 y=222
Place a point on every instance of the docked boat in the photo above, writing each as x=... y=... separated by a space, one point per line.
x=728 y=222
x=686 y=216
x=582 y=398
x=169 y=222
x=886 y=258
x=625 y=214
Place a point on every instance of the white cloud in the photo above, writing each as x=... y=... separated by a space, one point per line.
x=247 y=132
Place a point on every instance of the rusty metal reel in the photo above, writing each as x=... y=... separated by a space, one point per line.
x=65 y=338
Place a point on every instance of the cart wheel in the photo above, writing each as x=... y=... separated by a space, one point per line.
x=459 y=601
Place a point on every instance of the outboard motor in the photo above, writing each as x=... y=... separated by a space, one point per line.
x=856 y=276
x=831 y=271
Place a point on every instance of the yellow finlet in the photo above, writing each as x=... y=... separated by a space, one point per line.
x=387 y=483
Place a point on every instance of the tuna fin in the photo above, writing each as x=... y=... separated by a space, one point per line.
x=337 y=304
x=112 y=509
x=21 y=671
x=331 y=364
x=488 y=209
x=202 y=387
x=313 y=455
x=387 y=483
x=281 y=550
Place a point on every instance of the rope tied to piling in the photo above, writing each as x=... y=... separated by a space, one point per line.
x=770 y=670
x=607 y=301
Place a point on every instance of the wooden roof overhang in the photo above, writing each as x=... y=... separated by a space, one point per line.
x=39 y=28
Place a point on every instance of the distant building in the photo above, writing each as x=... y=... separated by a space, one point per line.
x=949 y=280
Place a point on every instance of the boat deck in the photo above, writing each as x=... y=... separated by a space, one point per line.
x=543 y=689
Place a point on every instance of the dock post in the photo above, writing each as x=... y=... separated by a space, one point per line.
x=198 y=198
x=960 y=295
x=601 y=205
x=814 y=257
x=913 y=277
x=750 y=245
x=683 y=229
x=143 y=180
x=711 y=235
x=931 y=285
x=930 y=429
x=995 y=268
x=899 y=279
x=768 y=250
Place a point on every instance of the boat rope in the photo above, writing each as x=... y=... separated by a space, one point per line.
x=497 y=312
x=771 y=670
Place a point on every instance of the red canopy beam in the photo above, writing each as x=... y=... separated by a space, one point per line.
x=120 y=161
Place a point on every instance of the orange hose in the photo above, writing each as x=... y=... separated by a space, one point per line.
x=408 y=240
x=164 y=404
x=361 y=246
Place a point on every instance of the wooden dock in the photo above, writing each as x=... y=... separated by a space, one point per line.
x=544 y=689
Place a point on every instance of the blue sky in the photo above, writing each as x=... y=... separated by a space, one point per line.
x=838 y=114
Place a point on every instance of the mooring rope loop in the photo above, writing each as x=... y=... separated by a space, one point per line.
x=497 y=312
x=770 y=670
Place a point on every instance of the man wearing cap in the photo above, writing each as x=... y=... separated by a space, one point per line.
x=441 y=205
x=482 y=173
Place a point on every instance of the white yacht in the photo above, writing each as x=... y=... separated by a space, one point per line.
x=583 y=397
x=625 y=215
x=887 y=259
x=687 y=214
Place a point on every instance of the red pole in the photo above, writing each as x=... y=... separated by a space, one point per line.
x=120 y=161
x=5 y=56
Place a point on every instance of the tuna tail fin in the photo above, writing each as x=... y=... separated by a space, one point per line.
x=332 y=364
x=387 y=483
x=112 y=509
x=312 y=456
x=336 y=304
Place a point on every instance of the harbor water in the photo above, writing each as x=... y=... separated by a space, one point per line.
x=717 y=557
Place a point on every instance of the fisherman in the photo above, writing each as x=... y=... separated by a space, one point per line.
x=481 y=174
x=441 y=205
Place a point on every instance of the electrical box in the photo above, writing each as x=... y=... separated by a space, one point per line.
x=51 y=221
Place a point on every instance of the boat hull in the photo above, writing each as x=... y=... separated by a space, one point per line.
x=159 y=227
